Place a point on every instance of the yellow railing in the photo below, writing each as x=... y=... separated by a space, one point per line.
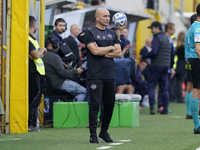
x=4 y=47
x=188 y=5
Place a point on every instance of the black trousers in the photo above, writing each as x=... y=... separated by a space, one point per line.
x=35 y=94
x=101 y=90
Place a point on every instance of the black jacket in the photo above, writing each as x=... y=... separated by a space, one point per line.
x=73 y=46
x=180 y=68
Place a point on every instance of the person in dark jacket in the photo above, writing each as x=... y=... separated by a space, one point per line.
x=138 y=83
x=146 y=49
x=180 y=68
x=161 y=59
x=125 y=45
x=71 y=41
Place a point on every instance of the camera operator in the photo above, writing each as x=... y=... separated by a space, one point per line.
x=60 y=77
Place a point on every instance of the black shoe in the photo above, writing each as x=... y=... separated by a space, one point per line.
x=197 y=131
x=105 y=137
x=152 y=111
x=94 y=140
x=164 y=112
x=188 y=116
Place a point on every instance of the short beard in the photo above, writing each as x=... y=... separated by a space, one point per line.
x=59 y=32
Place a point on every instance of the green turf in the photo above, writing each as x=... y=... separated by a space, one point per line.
x=156 y=132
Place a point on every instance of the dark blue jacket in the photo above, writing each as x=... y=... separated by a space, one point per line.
x=124 y=69
x=123 y=44
x=137 y=79
x=56 y=36
x=145 y=72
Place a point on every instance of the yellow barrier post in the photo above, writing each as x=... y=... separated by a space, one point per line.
x=19 y=67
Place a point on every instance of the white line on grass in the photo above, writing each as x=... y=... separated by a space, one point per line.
x=115 y=143
x=104 y=147
x=13 y=139
x=123 y=140
x=198 y=148
x=107 y=147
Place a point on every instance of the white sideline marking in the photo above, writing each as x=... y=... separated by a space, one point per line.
x=123 y=140
x=198 y=148
x=115 y=143
x=13 y=139
x=177 y=117
x=104 y=147
x=107 y=147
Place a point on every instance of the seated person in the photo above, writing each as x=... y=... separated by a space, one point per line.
x=125 y=89
x=60 y=77
x=125 y=70
x=138 y=83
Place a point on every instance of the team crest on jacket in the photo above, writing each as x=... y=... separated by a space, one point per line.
x=93 y=86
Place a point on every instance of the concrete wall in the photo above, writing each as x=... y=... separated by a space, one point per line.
x=129 y=5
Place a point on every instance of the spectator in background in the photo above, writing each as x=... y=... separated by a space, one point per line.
x=36 y=75
x=189 y=86
x=138 y=83
x=125 y=46
x=125 y=33
x=169 y=31
x=71 y=41
x=59 y=27
x=180 y=68
x=161 y=59
x=123 y=42
x=146 y=49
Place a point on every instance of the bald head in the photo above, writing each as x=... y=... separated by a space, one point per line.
x=148 y=42
x=100 y=11
x=75 y=30
x=102 y=16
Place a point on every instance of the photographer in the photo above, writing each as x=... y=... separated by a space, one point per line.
x=60 y=77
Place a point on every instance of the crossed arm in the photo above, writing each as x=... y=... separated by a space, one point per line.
x=38 y=54
x=108 y=51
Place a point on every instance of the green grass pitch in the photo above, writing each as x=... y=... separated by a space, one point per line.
x=156 y=132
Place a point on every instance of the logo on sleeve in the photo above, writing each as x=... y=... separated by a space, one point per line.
x=197 y=30
x=197 y=38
